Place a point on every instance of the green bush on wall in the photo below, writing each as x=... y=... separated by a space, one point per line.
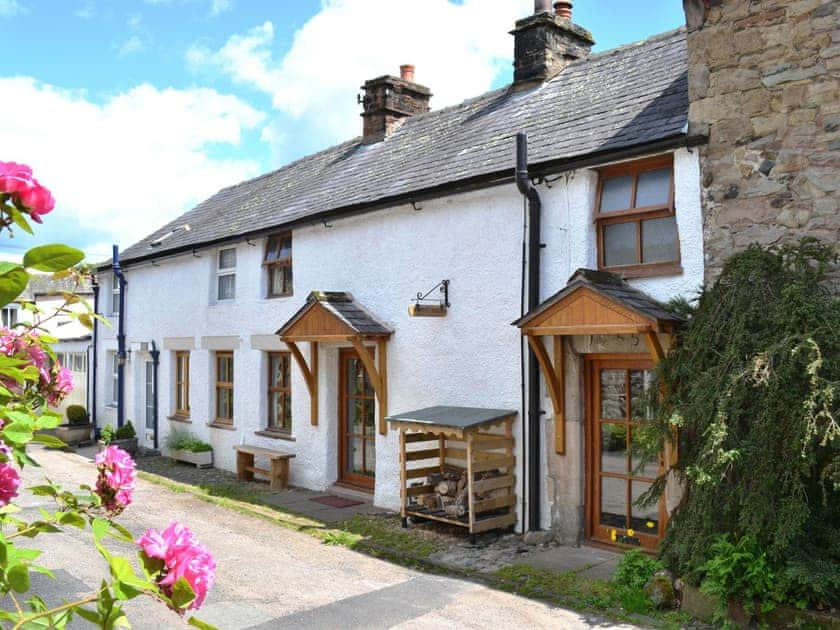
x=77 y=415
x=126 y=431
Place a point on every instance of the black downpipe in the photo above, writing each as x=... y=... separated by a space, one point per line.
x=92 y=368
x=121 y=354
x=155 y=363
x=532 y=453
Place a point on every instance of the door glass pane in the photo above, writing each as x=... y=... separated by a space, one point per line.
x=640 y=382
x=616 y=193
x=370 y=418
x=640 y=466
x=613 y=502
x=355 y=453
x=368 y=385
x=355 y=408
x=614 y=448
x=646 y=519
x=620 y=244
x=659 y=240
x=370 y=457
x=150 y=396
x=654 y=188
x=613 y=394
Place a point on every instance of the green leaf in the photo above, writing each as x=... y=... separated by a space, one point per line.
x=18 y=432
x=100 y=527
x=90 y=615
x=48 y=440
x=13 y=280
x=19 y=219
x=182 y=594
x=73 y=519
x=55 y=257
x=18 y=577
x=121 y=533
x=47 y=421
x=198 y=623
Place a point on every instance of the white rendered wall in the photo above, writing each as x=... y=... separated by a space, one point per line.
x=470 y=357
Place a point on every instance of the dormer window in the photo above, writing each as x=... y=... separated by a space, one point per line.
x=278 y=264
x=226 y=274
x=636 y=218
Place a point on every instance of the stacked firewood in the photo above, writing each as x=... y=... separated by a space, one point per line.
x=450 y=491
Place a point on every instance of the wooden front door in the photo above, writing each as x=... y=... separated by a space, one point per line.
x=615 y=476
x=357 y=422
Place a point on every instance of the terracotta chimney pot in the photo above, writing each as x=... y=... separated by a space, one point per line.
x=563 y=9
x=407 y=72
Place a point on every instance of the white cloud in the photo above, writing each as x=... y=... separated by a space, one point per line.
x=10 y=8
x=132 y=163
x=458 y=50
x=132 y=45
x=220 y=6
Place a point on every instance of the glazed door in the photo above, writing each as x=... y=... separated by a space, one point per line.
x=357 y=422
x=616 y=476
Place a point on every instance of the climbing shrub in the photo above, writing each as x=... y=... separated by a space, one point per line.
x=750 y=391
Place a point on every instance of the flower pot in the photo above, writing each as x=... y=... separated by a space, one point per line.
x=129 y=445
x=74 y=434
x=203 y=459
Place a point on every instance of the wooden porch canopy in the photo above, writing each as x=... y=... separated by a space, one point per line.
x=592 y=303
x=335 y=317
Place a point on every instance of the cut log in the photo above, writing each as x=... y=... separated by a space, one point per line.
x=447 y=488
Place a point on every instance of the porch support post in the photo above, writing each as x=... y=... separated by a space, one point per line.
x=375 y=379
x=382 y=360
x=552 y=382
x=310 y=375
x=560 y=413
x=654 y=346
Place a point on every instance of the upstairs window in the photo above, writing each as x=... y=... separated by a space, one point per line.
x=226 y=274
x=10 y=316
x=637 y=224
x=278 y=263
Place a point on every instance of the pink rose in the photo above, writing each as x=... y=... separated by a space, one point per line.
x=116 y=480
x=17 y=180
x=38 y=199
x=183 y=557
x=9 y=483
x=61 y=384
x=14 y=177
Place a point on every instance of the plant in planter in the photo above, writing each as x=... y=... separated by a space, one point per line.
x=78 y=427
x=125 y=437
x=184 y=447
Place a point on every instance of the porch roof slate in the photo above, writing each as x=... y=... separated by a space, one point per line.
x=454 y=417
x=627 y=97
x=346 y=309
x=610 y=285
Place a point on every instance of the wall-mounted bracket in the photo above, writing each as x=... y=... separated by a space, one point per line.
x=425 y=306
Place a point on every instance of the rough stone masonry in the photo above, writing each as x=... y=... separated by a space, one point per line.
x=764 y=85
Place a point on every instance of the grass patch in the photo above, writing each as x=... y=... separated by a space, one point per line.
x=385 y=533
x=231 y=491
x=579 y=593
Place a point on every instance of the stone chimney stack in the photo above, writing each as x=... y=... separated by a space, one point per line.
x=389 y=100
x=546 y=42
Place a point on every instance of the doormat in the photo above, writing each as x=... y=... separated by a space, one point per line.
x=337 y=502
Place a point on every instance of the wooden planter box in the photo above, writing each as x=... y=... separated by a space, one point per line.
x=74 y=434
x=129 y=445
x=203 y=459
x=476 y=444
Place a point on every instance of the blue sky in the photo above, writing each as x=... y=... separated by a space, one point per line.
x=132 y=111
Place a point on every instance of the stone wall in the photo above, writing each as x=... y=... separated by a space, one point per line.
x=764 y=84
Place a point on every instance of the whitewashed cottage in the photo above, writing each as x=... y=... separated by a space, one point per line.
x=553 y=274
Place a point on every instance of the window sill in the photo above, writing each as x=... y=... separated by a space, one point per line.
x=646 y=271
x=276 y=435
x=224 y=427
x=279 y=297
x=111 y=405
x=177 y=418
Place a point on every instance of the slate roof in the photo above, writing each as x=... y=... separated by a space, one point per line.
x=611 y=286
x=345 y=308
x=455 y=417
x=630 y=96
x=44 y=285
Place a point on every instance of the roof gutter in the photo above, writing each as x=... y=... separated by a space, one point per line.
x=532 y=452
x=461 y=186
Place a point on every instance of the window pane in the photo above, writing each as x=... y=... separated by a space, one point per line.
x=613 y=394
x=227 y=259
x=286 y=247
x=654 y=188
x=271 y=249
x=279 y=280
x=616 y=193
x=225 y=373
x=614 y=448
x=641 y=466
x=613 y=502
x=646 y=519
x=620 y=244
x=659 y=240
x=640 y=383
x=224 y=404
x=227 y=287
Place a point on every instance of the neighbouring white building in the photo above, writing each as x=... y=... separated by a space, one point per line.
x=346 y=239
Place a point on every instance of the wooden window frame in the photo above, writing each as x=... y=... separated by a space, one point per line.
x=115 y=295
x=10 y=315
x=225 y=271
x=223 y=385
x=115 y=378
x=182 y=379
x=637 y=216
x=278 y=264
x=273 y=388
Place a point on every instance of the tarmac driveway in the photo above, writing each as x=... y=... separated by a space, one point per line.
x=271 y=577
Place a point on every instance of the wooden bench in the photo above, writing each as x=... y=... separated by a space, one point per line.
x=278 y=476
